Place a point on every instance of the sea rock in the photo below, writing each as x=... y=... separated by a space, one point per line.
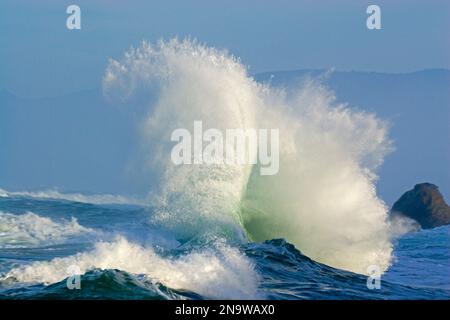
x=425 y=204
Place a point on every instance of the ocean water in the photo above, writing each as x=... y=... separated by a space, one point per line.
x=313 y=230
x=120 y=255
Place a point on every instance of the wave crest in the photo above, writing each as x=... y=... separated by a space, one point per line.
x=30 y=229
x=219 y=272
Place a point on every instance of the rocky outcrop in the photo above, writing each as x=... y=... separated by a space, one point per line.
x=425 y=204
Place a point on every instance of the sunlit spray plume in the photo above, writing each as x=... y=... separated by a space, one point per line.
x=323 y=198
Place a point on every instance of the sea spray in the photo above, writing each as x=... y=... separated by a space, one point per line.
x=323 y=198
x=190 y=82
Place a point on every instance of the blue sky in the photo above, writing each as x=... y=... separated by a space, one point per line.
x=40 y=57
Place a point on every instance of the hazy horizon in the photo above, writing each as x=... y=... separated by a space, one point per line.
x=39 y=56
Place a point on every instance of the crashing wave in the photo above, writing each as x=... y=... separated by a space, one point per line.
x=323 y=199
x=217 y=272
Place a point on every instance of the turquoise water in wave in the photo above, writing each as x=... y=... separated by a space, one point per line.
x=39 y=238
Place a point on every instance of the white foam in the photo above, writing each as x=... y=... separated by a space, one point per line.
x=3 y=193
x=30 y=229
x=220 y=272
